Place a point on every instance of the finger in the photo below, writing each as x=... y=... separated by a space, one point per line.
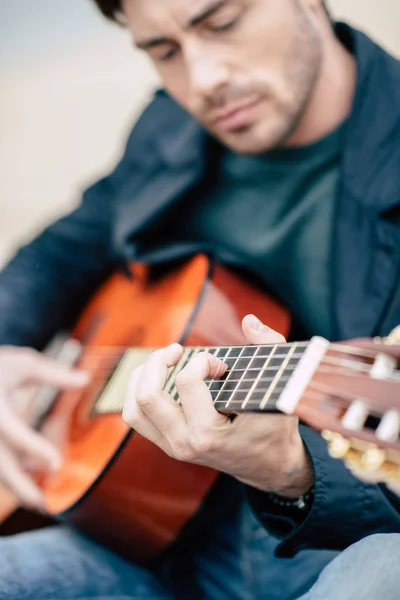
x=194 y=394
x=39 y=368
x=134 y=416
x=157 y=405
x=23 y=439
x=256 y=332
x=19 y=482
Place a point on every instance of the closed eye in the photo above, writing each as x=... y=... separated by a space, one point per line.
x=224 y=26
x=163 y=54
x=168 y=55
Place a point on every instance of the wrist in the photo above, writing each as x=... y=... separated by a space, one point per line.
x=297 y=478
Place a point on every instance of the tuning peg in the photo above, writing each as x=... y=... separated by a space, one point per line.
x=338 y=446
x=384 y=365
x=372 y=459
x=394 y=336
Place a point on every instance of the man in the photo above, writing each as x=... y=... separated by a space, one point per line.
x=297 y=183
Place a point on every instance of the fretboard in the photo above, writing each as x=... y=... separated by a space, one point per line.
x=256 y=376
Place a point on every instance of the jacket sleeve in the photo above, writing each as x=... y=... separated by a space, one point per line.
x=47 y=283
x=344 y=509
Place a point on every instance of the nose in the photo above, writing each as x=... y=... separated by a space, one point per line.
x=208 y=76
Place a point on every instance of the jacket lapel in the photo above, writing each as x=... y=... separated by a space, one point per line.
x=366 y=252
x=177 y=162
x=366 y=271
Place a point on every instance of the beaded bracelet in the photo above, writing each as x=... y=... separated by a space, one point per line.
x=302 y=502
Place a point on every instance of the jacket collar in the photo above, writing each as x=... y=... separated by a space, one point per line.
x=374 y=121
x=365 y=244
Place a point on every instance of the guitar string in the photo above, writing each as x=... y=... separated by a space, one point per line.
x=236 y=404
x=324 y=365
x=320 y=387
x=89 y=361
x=118 y=351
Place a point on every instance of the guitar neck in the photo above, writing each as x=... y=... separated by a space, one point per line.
x=256 y=379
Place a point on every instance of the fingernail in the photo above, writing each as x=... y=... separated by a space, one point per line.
x=174 y=348
x=255 y=323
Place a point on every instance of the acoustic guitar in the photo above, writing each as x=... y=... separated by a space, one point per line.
x=123 y=491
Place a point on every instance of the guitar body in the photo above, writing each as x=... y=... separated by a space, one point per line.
x=114 y=485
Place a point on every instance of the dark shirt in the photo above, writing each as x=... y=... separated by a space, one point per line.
x=275 y=212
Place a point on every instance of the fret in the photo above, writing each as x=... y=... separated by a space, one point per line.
x=254 y=393
x=225 y=399
x=214 y=352
x=245 y=384
x=218 y=384
x=253 y=403
x=232 y=356
x=215 y=385
x=235 y=351
x=272 y=369
x=276 y=384
x=243 y=362
x=173 y=371
x=259 y=363
x=253 y=373
x=256 y=375
x=276 y=362
x=249 y=351
x=258 y=378
x=191 y=353
x=277 y=377
x=237 y=384
x=250 y=384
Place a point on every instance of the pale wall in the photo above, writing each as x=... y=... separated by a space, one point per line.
x=70 y=87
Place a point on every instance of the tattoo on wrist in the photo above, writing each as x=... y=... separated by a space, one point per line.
x=298 y=481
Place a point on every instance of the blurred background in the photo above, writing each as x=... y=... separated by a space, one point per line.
x=71 y=86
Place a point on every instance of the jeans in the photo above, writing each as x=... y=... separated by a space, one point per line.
x=231 y=559
x=234 y=561
x=369 y=570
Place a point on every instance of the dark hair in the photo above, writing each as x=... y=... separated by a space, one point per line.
x=112 y=9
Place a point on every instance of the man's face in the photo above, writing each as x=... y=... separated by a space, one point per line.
x=244 y=68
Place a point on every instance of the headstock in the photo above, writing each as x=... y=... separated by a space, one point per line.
x=353 y=397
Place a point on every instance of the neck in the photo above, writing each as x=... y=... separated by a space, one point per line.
x=255 y=379
x=333 y=94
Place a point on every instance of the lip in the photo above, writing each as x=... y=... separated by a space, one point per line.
x=236 y=116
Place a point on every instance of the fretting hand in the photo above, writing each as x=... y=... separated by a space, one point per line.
x=264 y=451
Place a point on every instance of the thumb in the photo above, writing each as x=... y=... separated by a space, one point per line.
x=256 y=332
